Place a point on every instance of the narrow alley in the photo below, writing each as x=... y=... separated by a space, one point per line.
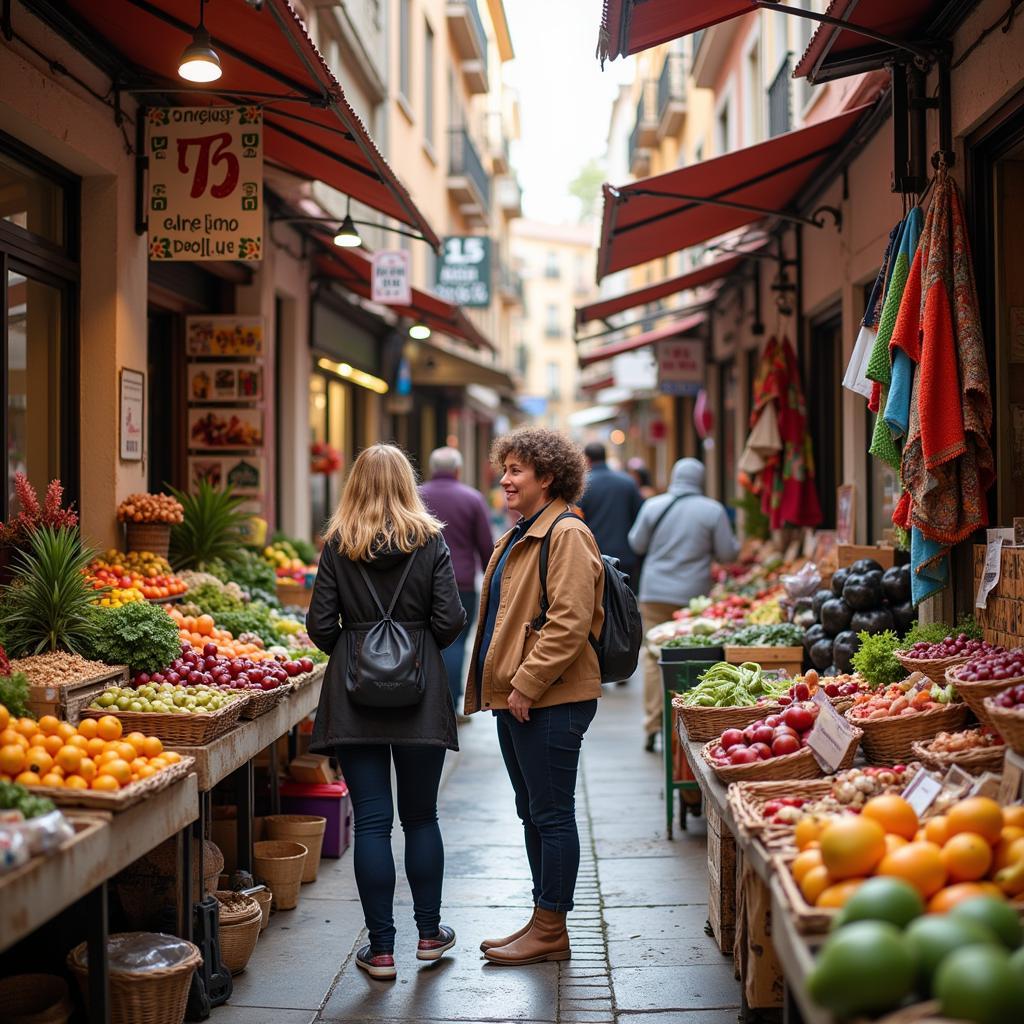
x=639 y=949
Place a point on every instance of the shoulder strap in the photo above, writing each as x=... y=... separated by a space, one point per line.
x=664 y=512
x=398 y=589
x=545 y=546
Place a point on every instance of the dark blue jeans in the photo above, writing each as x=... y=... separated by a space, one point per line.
x=542 y=757
x=455 y=655
x=367 y=771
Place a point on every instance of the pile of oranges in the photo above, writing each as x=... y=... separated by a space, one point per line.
x=200 y=630
x=92 y=755
x=975 y=848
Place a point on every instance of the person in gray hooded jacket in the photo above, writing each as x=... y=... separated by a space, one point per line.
x=678 y=533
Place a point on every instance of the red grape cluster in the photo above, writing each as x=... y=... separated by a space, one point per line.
x=1000 y=664
x=1011 y=698
x=191 y=668
x=774 y=736
x=960 y=646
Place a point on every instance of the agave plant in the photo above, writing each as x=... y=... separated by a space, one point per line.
x=48 y=606
x=213 y=527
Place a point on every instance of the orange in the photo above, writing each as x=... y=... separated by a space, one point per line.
x=158 y=762
x=12 y=759
x=120 y=770
x=75 y=782
x=28 y=779
x=65 y=730
x=39 y=760
x=936 y=830
x=51 y=744
x=809 y=828
x=106 y=783
x=48 y=725
x=171 y=756
x=9 y=736
x=109 y=727
x=95 y=746
x=946 y=899
x=980 y=814
x=894 y=842
x=1012 y=815
x=87 y=727
x=1007 y=853
x=107 y=756
x=69 y=758
x=851 y=847
x=80 y=742
x=805 y=860
x=152 y=747
x=138 y=764
x=893 y=813
x=126 y=751
x=835 y=896
x=204 y=625
x=52 y=779
x=5 y=717
x=967 y=857
x=146 y=771
x=87 y=769
x=28 y=727
x=920 y=864
x=815 y=882
x=137 y=740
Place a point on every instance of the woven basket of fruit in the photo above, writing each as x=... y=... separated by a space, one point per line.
x=703 y=724
x=985 y=677
x=262 y=701
x=757 y=806
x=1006 y=713
x=973 y=750
x=933 y=660
x=119 y=799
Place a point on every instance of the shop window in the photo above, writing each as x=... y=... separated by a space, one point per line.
x=404 y=47
x=32 y=202
x=554 y=380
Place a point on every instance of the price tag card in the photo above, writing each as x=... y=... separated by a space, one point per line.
x=831 y=736
x=922 y=791
x=958 y=782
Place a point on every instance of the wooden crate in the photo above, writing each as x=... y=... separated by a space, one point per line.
x=68 y=700
x=786 y=659
x=721 y=880
x=1012 y=788
x=847 y=554
x=294 y=597
x=1002 y=618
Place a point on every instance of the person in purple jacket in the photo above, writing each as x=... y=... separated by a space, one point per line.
x=467 y=531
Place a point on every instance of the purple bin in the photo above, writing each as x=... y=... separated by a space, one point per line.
x=330 y=800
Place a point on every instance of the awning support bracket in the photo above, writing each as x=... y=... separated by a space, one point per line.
x=141 y=167
x=415 y=235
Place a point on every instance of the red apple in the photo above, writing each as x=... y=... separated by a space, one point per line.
x=785 y=744
x=731 y=738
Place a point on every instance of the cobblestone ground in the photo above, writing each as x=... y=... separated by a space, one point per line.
x=639 y=949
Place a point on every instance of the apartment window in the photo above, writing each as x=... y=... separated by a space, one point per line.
x=428 y=84
x=554 y=376
x=551 y=267
x=404 y=46
x=723 y=128
x=552 y=327
x=753 y=119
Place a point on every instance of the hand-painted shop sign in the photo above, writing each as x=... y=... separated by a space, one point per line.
x=205 y=198
x=681 y=366
x=389 y=278
x=464 y=271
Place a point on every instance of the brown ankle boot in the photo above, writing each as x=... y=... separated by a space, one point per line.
x=545 y=939
x=494 y=943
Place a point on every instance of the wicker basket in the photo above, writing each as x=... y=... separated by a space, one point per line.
x=974 y=694
x=182 y=729
x=1008 y=722
x=747 y=800
x=280 y=864
x=983 y=759
x=149 y=885
x=239 y=930
x=264 y=898
x=155 y=996
x=121 y=799
x=154 y=537
x=919 y=1013
x=305 y=829
x=703 y=724
x=890 y=740
x=808 y=920
x=262 y=701
x=35 y=999
x=801 y=765
x=934 y=668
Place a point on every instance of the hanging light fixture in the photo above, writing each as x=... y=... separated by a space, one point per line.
x=199 y=61
x=419 y=331
x=347 y=236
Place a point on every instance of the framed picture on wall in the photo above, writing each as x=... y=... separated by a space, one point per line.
x=225 y=382
x=132 y=415
x=217 y=428
x=224 y=336
x=244 y=474
x=846 y=511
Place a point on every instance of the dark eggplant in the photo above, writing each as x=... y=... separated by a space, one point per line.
x=838 y=580
x=813 y=635
x=818 y=600
x=844 y=647
x=896 y=584
x=821 y=654
x=863 y=565
x=835 y=615
x=862 y=593
x=877 y=620
x=904 y=616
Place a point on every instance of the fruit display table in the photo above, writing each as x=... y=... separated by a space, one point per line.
x=796 y=953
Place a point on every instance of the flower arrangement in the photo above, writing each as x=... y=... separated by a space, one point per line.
x=34 y=515
x=323 y=458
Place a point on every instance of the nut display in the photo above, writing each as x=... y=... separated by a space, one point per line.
x=150 y=508
x=58 y=667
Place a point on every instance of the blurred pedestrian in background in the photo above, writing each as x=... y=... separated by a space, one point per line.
x=678 y=534
x=610 y=504
x=467 y=531
x=641 y=477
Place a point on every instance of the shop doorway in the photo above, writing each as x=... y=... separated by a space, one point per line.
x=824 y=406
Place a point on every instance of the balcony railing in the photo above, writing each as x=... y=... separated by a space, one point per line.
x=671 y=95
x=510 y=195
x=780 y=117
x=464 y=162
x=510 y=284
x=468 y=29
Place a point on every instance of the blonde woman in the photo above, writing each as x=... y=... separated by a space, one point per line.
x=384 y=558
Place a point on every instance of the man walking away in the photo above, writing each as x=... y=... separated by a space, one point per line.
x=467 y=531
x=678 y=534
x=610 y=505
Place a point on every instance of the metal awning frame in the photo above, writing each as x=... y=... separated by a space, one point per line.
x=680 y=313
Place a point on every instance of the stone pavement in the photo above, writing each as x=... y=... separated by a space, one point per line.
x=640 y=954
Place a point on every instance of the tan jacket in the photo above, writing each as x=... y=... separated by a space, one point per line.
x=557 y=664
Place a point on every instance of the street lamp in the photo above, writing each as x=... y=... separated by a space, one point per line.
x=419 y=331
x=348 y=234
x=199 y=61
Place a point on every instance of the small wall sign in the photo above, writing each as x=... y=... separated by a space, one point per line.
x=133 y=411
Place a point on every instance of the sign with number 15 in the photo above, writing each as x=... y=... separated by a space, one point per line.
x=205 y=191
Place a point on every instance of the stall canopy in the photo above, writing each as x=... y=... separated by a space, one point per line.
x=629 y=26
x=654 y=217
x=267 y=58
x=434 y=365
x=696 y=278
x=672 y=330
x=351 y=268
x=835 y=52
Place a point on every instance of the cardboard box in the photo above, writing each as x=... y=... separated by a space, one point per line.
x=312 y=768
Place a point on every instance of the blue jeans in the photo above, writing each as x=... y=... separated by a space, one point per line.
x=367 y=771
x=542 y=757
x=455 y=655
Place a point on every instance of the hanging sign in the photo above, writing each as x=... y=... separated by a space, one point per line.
x=205 y=199
x=464 y=271
x=681 y=366
x=390 y=278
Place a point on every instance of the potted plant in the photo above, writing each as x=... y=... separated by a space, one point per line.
x=16 y=533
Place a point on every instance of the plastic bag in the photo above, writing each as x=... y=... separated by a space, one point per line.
x=45 y=833
x=139 y=952
x=802 y=583
x=13 y=849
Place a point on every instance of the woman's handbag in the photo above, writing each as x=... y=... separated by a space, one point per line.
x=386 y=670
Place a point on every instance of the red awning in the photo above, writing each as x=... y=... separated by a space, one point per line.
x=671 y=330
x=264 y=53
x=657 y=216
x=694 y=279
x=629 y=26
x=351 y=268
x=835 y=52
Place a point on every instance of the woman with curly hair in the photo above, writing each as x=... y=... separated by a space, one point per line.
x=537 y=671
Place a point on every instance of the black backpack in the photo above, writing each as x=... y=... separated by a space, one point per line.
x=622 y=634
x=386 y=671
